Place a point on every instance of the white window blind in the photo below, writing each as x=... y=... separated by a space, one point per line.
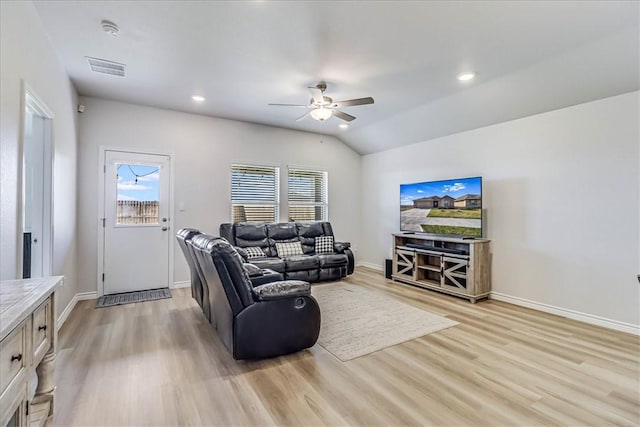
x=308 y=195
x=254 y=193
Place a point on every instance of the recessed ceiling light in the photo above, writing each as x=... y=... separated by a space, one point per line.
x=343 y=126
x=198 y=98
x=466 y=76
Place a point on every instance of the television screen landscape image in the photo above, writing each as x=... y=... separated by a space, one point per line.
x=450 y=207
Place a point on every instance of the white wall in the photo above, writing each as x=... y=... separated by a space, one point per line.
x=561 y=197
x=203 y=149
x=26 y=53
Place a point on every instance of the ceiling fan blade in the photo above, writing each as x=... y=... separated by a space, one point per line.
x=303 y=116
x=289 y=105
x=344 y=116
x=352 y=102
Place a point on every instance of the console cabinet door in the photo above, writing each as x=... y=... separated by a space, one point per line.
x=403 y=264
x=454 y=274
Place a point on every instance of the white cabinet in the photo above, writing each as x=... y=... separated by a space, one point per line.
x=27 y=351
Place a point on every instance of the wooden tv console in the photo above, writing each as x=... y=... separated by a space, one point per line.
x=451 y=265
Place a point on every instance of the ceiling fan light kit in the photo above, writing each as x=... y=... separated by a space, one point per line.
x=321 y=113
x=322 y=107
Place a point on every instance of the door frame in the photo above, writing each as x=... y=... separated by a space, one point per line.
x=102 y=150
x=31 y=98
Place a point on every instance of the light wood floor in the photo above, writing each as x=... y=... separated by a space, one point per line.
x=160 y=363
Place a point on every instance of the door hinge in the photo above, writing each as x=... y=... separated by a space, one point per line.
x=104 y=169
x=103 y=221
x=27 y=409
x=103 y=277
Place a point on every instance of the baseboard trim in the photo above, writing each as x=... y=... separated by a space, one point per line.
x=69 y=308
x=570 y=314
x=370 y=265
x=182 y=284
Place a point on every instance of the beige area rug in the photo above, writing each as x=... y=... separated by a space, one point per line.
x=357 y=321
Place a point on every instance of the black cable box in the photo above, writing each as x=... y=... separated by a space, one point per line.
x=435 y=248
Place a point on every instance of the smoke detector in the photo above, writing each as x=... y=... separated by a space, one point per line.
x=110 y=28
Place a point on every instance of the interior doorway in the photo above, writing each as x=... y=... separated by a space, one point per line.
x=37 y=187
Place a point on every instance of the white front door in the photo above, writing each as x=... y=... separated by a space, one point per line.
x=136 y=222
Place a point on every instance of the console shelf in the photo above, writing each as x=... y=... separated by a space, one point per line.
x=451 y=265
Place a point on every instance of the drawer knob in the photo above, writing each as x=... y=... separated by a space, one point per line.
x=42 y=328
x=18 y=357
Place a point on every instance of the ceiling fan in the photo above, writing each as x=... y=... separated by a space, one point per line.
x=322 y=107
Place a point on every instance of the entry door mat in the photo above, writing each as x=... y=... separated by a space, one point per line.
x=133 y=297
x=357 y=321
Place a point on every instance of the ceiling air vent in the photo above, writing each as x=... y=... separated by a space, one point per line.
x=106 y=67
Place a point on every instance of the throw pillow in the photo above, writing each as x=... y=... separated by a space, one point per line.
x=288 y=249
x=254 y=252
x=324 y=245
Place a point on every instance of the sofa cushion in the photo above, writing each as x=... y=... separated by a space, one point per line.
x=324 y=245
x=254 y=252
x=332 y=273
x=306 y=275
x=285 y=250
x=301 y=262
x=250 y=234
x=275 y=264
x=282 y=231
x=332 y=260
x=308 y=231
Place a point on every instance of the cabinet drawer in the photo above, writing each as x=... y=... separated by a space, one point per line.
x=41 y=331
x=13 y=358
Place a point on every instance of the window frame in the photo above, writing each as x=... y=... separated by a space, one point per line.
x=324 y=191
x=248 y=202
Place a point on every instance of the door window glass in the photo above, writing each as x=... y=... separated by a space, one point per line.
x=138 y=194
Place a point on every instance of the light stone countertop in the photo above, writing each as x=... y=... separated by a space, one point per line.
x=19 y=298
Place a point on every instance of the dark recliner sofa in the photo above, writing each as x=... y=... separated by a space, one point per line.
x=199 y=291
x=268 y=320
x=309 y=266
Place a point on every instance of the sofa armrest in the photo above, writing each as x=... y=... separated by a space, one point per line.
x=340 y=247
x=243 y=253
x=252 y=270
x=281 y=289
x=268 y=276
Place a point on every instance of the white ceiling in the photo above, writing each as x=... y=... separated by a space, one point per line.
x=529 y=57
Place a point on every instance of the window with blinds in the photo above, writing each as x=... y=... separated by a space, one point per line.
x=308 y=195
x=254 y=193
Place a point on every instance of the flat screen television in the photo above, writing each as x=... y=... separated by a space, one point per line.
x=452 y=207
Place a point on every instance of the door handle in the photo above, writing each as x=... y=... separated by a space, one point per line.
x=164 y=219
x=165 y=228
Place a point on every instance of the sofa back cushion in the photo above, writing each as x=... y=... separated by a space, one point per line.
x=227 y=231
x=281 y=232
x=248 y=234
x=308 y=232
x=231 y=272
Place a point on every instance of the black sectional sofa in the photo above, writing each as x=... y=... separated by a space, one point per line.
x=314 y=263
